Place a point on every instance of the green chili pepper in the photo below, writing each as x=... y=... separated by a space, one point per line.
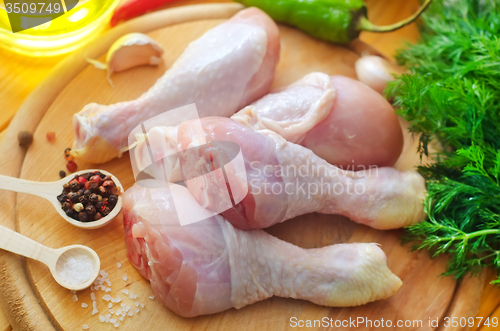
x=339 y=21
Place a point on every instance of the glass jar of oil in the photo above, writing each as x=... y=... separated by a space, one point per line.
x=63 y=34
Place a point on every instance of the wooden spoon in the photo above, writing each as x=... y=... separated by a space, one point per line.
x=55 y=259
x=50 y=191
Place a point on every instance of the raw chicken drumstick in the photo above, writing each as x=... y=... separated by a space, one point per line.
x=357 y=128
x=210 y=266
x=228 y=67
x=320 y=112
x=284 y=180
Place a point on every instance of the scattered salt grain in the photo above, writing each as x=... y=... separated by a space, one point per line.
x=107 y=318
x=125 y=278
x=94 y=311
x=142 y=305
x=118 y=299
x=118 y=264
x=85 y=326
x=108 y=289
x=75 y=298
x=101 y=318
x=111 y=311
x=103 y=273
x=106 y=297
x=137 y=310
x=92 y=296
x=136 y=304
x=130 y=313
x=116 y=324
x=110 y=305
x=108 y=282
x=121 y=318
x=84 y=305
x=94 y=305
x=132 y=296
x=118 y=312
x=123 y=305
x=112 y=320
x=152 y=297
x=125 y=292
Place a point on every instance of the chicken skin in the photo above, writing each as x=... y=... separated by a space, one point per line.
x=227 y=68
x=210 y=266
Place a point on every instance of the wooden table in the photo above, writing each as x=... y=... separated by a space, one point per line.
x=20 y=75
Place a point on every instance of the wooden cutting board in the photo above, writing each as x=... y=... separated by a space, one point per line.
x=34 y=300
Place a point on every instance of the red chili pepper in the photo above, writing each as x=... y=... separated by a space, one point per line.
x=135 y=8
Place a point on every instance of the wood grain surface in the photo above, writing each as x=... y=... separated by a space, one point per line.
x=21 y=75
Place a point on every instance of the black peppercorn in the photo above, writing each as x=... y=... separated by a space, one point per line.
x=90 y=209
x=93 y=198
x=83 y=217
x=87 y=192
x=113 y=199
x=83 y=199
x=74 y=186
x=97 y=216
x=80 y=192
x=106 y=211
x=72 y=213
x=93 y=186
x=66 y=205
x=101 y=175
x=86 y=175
x=98 y=205
x=73 y=197
x=62 y=174
x=61 y=198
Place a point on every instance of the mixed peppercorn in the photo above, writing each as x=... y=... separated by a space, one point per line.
x=89 y=197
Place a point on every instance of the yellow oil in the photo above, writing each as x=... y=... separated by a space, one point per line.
x=61 y=35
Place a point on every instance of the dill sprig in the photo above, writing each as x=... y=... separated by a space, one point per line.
x=452 y=96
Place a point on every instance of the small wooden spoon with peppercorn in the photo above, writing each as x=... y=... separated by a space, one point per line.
x=91 y=203
x=74 y=267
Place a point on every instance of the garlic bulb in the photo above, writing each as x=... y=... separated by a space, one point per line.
x=131 y=50
x=376 y=71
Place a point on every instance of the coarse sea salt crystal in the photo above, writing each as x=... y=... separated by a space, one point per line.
x=85 y=326
x=106 y=297
x=125 y=278
x=136 y=304
x=152 y=297
x=132 y=296
x=142 y=305
x=92 y=296
x=101 y=318
x=94 y=305
x=121 y=318
x=125 y=292
x=111 y=311
x=118 y=264
x=107 y=318
x=84 y=305
x=118 y=299
x=130 y=313
x=94 y=311
x=108 y=289
x=137 y=310
x=116 y=324
x=77 y=270
x=75 y=298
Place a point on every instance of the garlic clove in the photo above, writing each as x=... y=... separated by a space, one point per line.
x=376 y=71
x=132 y=50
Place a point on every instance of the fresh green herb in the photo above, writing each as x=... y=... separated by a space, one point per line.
x=452 y=96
